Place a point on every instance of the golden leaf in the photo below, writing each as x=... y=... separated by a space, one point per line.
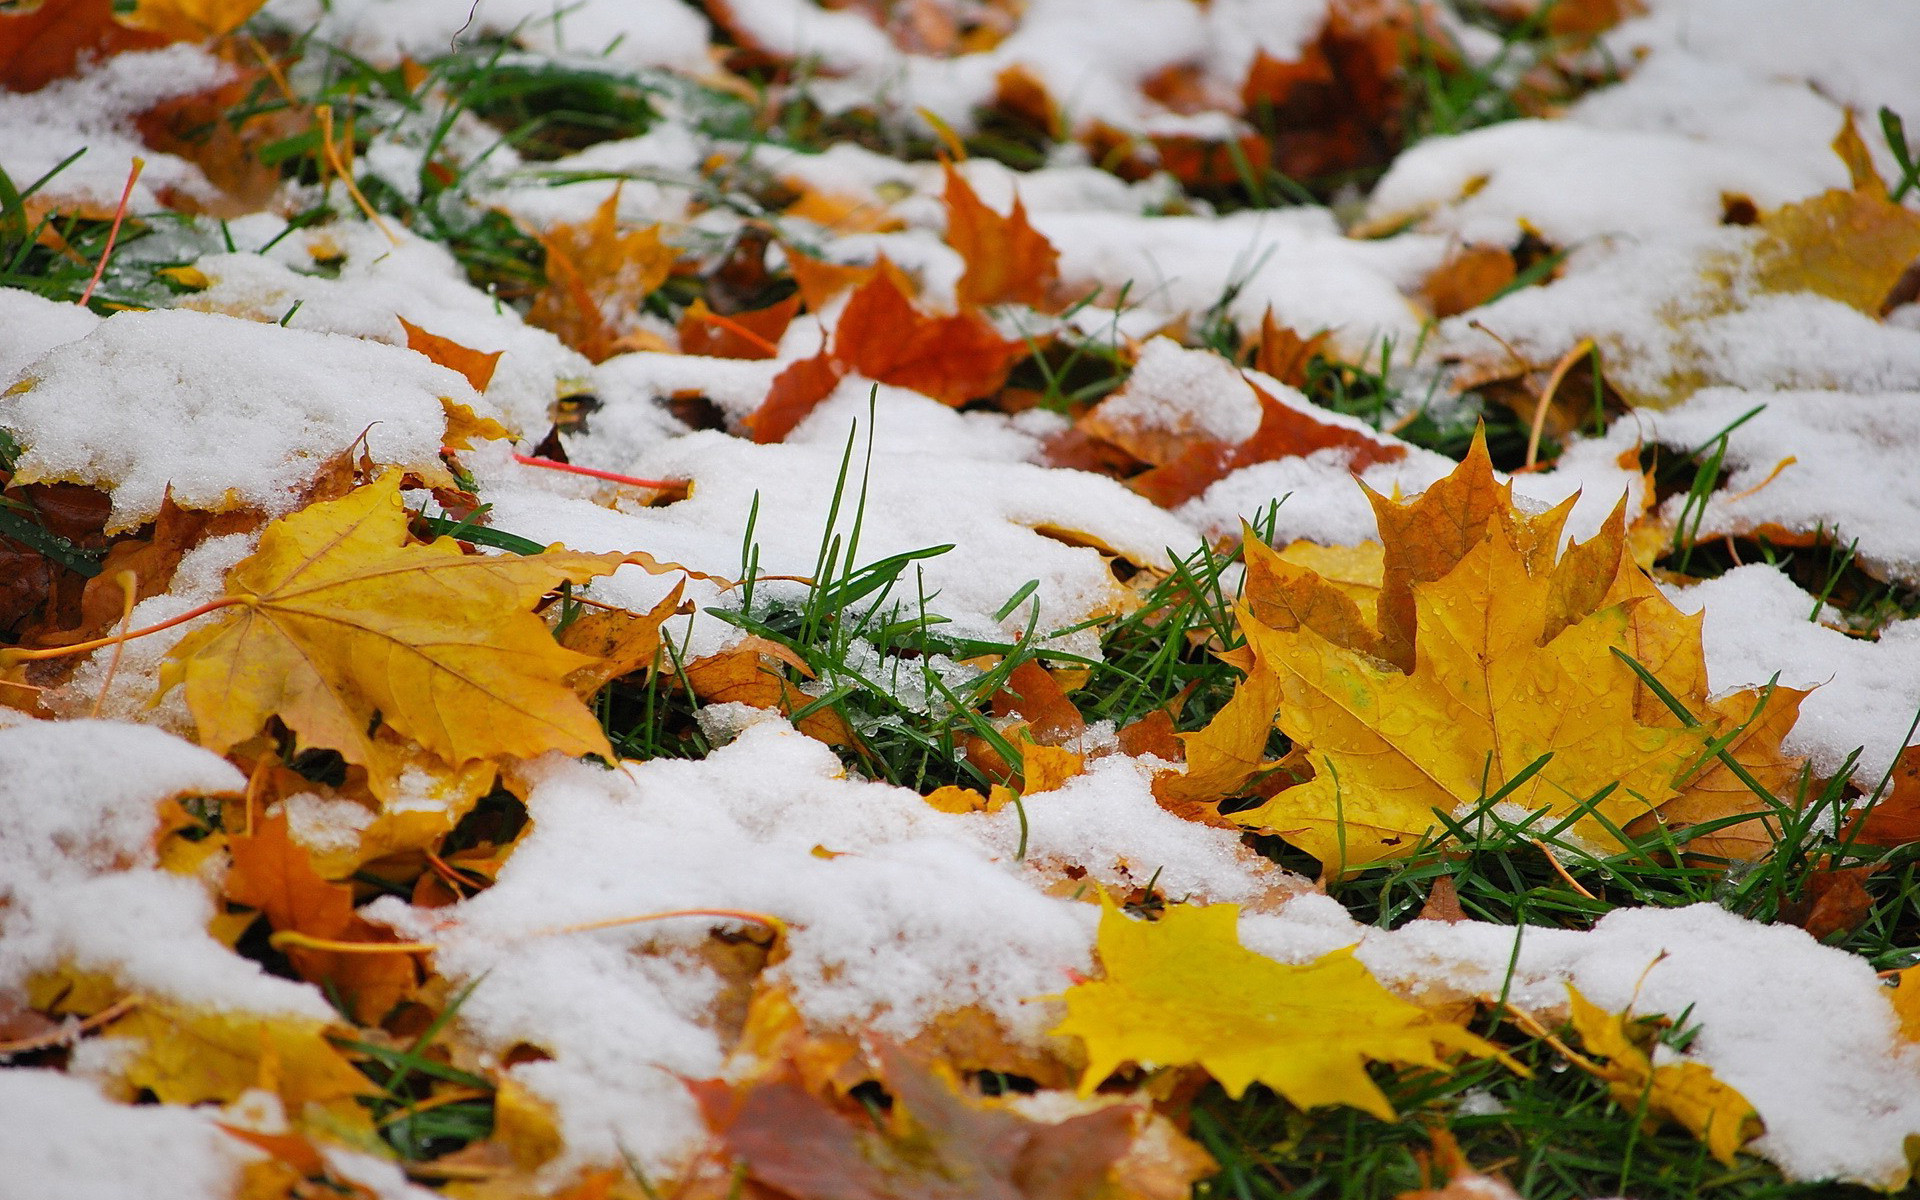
x=1493 y=652
x=1183 y=990
x=620 y=642
x=1851 y=246
x=596 y=275
x=188 y=20
x=187 y=1056
x=340 y=625
x=1485 y=701
x=1686 y=1093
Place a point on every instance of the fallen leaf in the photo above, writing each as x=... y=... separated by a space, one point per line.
x=749 y=672
x=934 y=1144
x=619 y=642
x=1286 y=430
x=1485 y=701
x=1686 y=1093
x=1229 y=750
x=188 y=20
x=1468 y=279
x=1906 y=1003
x=1851 y=246
x=1007 y=260
x=274 y=874
x=1152 y=735
x=1045 y=768
x=1836 y=900
x=821 y=281
x=1032 y=694
x=188 y=1056
x=953 y=359
x=1443 y=902
x=1462 y=1181
x=1518 y=662
x=597 y=276
x=1893 y=819
x=701 y=333
x=1282 y=353
x=47 y=41
x=476 y=365
x=339 y=619
x=1183 y=990
x=796 y=391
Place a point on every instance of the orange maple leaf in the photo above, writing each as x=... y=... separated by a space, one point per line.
x=883 y=337
x=751 y=335
x=1285 y=431
x=273 y=873
x=953 y=359
x=1008 y=261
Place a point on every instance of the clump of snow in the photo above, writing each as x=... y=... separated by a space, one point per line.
x=875 y=933
x=1805 y=1032
x=63 y=1138
x=1184 y=391
x=224 y=412
x=1865 y=693
x=94 y=113
x=1571 y=182
x=641 y=33
x=1850 y=473
x=1292 y=261
x=1678 y=312
x=375 y=283
x=34 y=326
x=78 y=881
x=1008 y=522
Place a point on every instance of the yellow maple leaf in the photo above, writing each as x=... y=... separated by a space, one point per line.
x=1183 y=990
x=597 y=275
x=188 y=20
x=1494 y=666
x=1684 y=1092
x=1485 y=702
x=338 y=625
x=1851 y=246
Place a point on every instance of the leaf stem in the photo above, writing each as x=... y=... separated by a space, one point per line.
x=12 y=655
x=113 y=231
x=528 y=460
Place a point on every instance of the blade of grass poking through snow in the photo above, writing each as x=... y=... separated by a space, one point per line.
x=1895 y=131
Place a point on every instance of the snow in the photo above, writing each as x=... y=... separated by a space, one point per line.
x=1805 y=1032
x=60 y=1137
x=1850 y=475
x=231 y=412
x=871 y=931
x=94 y=113
x=639 y=33
x=380 y=280
x=78 y=882
x=1292 y=261
x=1865 y=693
x=1007 y=522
